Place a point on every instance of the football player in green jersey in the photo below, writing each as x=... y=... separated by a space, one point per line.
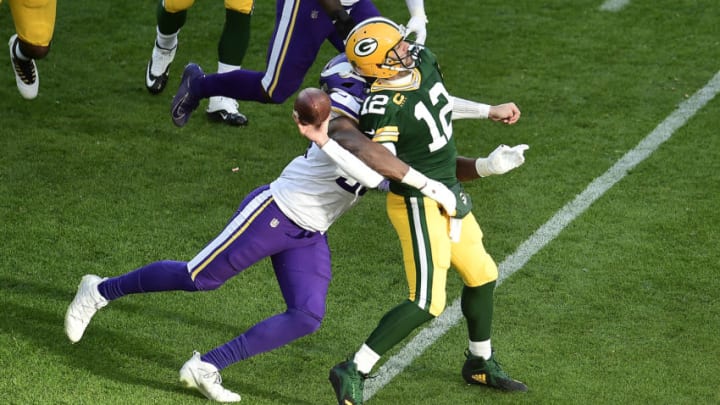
x=409 y=111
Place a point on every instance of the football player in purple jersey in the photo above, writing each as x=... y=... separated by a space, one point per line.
x=301 y=28
x=286 y=221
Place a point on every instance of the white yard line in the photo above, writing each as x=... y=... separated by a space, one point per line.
x=614 y=5
x=547 y=232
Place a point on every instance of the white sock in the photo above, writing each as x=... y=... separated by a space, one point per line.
x=166 y=41
x=365 y=359
x=481 y=349
x=224 y=67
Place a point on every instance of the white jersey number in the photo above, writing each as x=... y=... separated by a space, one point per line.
x=442 y=133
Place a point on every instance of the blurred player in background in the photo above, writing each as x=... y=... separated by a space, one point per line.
x=286 y=221
x=410 y=112
x=301 y=28
x=34 y=26
x=233 y=44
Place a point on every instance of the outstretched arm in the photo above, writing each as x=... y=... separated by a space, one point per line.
x=508 y=113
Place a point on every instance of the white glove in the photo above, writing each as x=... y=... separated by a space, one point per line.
x=501 y=160
x=417 y=25
x=440 y=193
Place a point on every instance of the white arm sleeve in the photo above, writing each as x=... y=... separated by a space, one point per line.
x=351 y=165
x=469 y=109
x=416 y=7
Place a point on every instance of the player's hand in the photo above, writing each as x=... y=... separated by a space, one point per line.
x=315 y=133
x=504 y=158
x=440 y=193
x=417 y=25
x=507 y=113
x=343 y=23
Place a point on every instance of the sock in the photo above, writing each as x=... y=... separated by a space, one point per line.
x=235 y=38
x=396 y=325
x=365 y=359
x=169 y=23
x=224 y=67
x=477 y=307
x=481 y=349
x=168 y=41
x=159 y=276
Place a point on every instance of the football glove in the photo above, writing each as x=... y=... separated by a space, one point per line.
x=440 y=193
x=343 y=23
x=417 y=25
x=501 y=160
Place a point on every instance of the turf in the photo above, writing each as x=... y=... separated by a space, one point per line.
x=622 y=307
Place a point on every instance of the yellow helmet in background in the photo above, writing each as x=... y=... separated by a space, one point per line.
x=369 y=44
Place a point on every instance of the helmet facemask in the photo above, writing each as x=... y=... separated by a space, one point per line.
x=395 y=61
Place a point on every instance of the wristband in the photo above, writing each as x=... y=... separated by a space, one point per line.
x=415 y=179
x=469 y=109
x=416 y=8
x=482 y=167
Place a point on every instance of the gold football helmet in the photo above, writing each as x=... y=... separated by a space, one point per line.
x=370 y=47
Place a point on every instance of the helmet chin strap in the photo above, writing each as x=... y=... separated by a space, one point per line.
x=402 y=78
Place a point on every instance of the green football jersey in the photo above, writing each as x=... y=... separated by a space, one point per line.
x=417 y=118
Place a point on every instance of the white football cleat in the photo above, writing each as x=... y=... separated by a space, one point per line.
x=196 y=373
x=158 y=68
x=26 y=73
x=81 y=310
x=225 y=110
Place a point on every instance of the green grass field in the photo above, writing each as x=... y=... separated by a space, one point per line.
x=621 y=307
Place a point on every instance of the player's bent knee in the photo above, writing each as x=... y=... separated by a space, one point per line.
x=204 y=284
x=276 y=98
x=303 y=323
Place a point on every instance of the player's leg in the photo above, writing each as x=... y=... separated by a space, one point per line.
x=221 y=259
x=425 y=243
x=303 y=275
x=302 y=268
x=34 y=26
x=259 y=229
x=479 y=273
x=95 y=292
x=232 y=47
x=171 y=17
x=300 y=31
